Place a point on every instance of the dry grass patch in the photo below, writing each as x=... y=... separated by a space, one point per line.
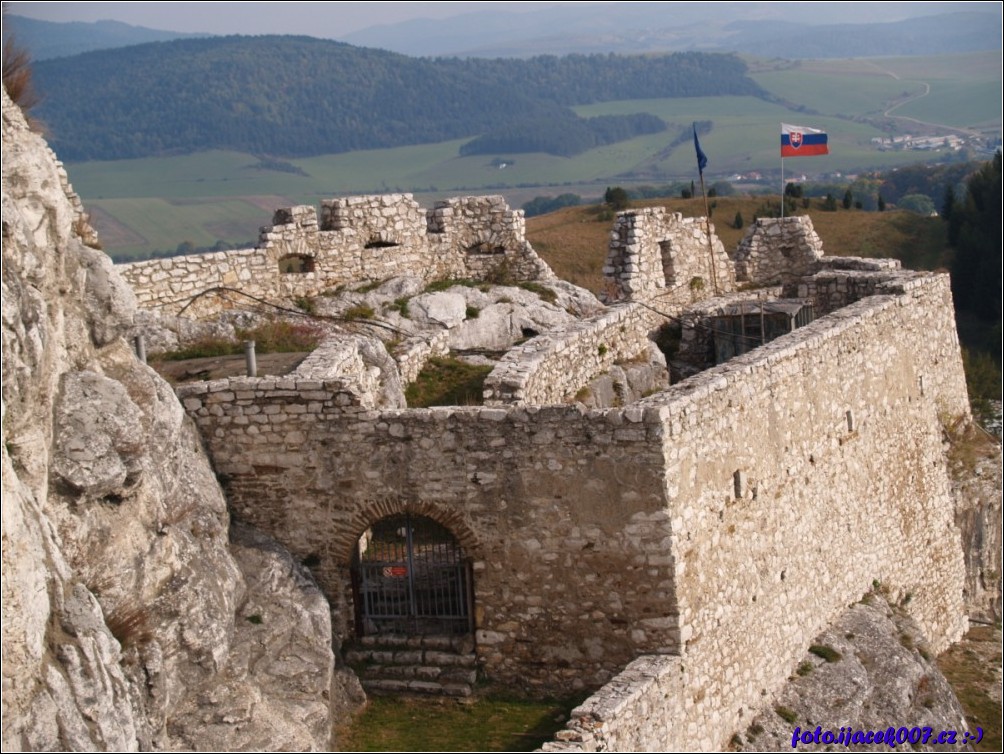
x=973 y=668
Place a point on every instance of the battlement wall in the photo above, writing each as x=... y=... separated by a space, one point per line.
x=356 y=239
x=778 y=249
x=569 y=547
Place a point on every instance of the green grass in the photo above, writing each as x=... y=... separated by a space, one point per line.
x=487 y=724
x=447 y=382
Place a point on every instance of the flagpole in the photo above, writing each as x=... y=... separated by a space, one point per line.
x=782 y=188
x=711 y=249
x=702 y=161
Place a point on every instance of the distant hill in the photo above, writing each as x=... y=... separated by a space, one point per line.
x=300 y=96
x=47 y=39
x=787 y=30
x=929 y=35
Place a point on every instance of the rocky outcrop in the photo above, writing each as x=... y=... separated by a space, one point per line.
x=976 y=474
x=122 y=598
x=868 y=671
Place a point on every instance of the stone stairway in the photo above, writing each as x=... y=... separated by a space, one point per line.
x=395 y=664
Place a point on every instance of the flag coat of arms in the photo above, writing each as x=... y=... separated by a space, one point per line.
x=799 y=141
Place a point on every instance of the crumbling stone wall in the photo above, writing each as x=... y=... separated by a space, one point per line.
x=776 y=250
x=551 y=367
x=357 y=238
x=658 y=253
x=727 y=519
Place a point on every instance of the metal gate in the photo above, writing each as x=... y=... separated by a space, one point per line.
x=411 y=576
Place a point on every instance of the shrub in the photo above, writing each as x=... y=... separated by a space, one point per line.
x=786 y=714
x=359 y=311
x=447 y=382
x=130 y=625
x=17 y=78
x=827 y=653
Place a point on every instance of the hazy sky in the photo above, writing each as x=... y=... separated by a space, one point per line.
x=325 y=19
x=333 y=20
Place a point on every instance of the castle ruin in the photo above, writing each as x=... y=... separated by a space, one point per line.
x=684 y=548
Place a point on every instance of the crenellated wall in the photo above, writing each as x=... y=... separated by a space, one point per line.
x=357 y=238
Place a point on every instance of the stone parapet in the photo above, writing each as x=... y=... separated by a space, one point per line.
x=550 y=368
x=357 y=238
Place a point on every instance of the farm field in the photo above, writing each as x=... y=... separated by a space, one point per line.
x=152 y=205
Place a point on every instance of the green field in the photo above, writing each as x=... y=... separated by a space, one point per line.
x=147 y=205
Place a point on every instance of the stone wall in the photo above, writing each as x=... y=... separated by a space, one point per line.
x=357 y=238
x=727 y=519
x=801 y=473
x=799 y=476
x=572 y=575
x=658 y=253
x=775 y=250
x=550 y=368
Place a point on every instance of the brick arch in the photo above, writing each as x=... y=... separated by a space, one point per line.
x=344 y=542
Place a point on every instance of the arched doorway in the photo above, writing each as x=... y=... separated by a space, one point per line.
x=410 y=576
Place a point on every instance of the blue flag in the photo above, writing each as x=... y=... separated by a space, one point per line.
x=702 y=159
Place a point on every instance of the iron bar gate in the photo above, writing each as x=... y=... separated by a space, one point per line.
x=412 y=577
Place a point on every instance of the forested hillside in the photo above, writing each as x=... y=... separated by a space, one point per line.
x=299 y=96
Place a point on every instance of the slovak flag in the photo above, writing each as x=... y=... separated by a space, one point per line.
x=798 y=141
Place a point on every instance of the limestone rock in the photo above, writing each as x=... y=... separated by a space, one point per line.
x=98 y=437
x=275 y=688
x=975 y=468
x=444 y=308
x=110 y=303
x=876 y=676
x=119 y=588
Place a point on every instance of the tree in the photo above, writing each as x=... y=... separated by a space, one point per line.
x=976 y=268
x=881 y=203
x=919 y=204
x=830 y=203
x=738 y=222
x=617 y=198
x=794 y=190
x=848 y=199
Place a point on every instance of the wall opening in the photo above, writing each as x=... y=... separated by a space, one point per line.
x=296 y=264
x=668 y=256
x=411 y=576
x=484 y=247
x=379 y=243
